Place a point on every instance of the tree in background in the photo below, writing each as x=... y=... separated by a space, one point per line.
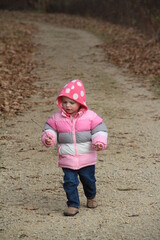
x=143 y=14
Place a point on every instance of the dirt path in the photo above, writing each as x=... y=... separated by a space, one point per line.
x=128 y=173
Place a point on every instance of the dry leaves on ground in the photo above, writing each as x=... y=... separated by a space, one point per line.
x=16 y=78
x=125 y=47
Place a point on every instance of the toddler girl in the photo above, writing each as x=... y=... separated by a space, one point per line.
x=79 y=134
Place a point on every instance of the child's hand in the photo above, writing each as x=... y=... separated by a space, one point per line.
x=98 y=146
x=48 y=140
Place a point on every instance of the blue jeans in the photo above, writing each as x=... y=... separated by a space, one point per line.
x=71 y=182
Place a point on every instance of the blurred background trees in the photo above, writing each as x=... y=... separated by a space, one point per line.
x=142 y=14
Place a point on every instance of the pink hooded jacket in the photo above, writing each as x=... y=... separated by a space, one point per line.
x=75 y=135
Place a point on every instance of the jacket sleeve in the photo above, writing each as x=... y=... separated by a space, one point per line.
x=99 y=132
x=49 y=130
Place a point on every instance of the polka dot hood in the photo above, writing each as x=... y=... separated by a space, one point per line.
x=75 y=91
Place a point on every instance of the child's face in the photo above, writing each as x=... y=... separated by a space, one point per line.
x=70 y=106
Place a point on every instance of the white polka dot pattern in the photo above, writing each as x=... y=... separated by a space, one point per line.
x=82 y=93
x=67 y=90
x=79 y=84
x=75 y=96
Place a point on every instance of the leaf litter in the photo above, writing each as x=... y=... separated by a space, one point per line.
x=124 y=47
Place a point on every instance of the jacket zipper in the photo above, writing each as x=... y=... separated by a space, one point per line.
x=74 y=135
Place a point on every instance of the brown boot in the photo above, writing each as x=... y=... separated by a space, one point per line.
x=92 y=203
x=71 y=211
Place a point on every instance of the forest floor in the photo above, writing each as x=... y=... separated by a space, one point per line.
x=128 y=187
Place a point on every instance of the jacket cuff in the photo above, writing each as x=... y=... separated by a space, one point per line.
x=43 y=138
x=103 y=145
